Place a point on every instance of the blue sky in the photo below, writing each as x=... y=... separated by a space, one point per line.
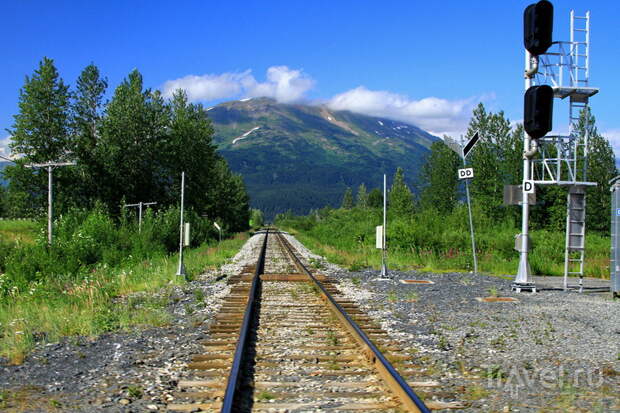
x=425 y=62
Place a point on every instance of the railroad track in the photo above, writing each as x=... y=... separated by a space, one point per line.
x=286 y=340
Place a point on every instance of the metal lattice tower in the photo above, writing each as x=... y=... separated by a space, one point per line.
x=564 y=159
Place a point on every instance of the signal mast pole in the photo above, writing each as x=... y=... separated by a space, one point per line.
x=50 y=167
x=524 y=273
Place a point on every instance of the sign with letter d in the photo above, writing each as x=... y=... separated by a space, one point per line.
x=528 y=187
x=466 y=173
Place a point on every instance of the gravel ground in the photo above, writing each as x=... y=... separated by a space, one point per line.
x=123 y=372
x=550 y=351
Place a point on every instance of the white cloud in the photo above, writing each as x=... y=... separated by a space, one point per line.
x=435 y=115
x=613 y=135
x=4 y=148
x=283 y=84
x=207 y=87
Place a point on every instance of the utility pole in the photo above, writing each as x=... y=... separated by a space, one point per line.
x=384 y=272
x=140 y=205
x=50 y=167
x=181 y=269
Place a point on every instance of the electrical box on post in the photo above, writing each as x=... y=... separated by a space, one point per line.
x=186 y=237
x=379 y=233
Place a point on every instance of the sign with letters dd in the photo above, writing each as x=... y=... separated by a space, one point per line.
x=466 y=173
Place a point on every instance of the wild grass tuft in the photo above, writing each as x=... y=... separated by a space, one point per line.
x=107 y=298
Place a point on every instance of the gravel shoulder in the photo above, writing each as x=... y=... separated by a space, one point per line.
x=549 y=351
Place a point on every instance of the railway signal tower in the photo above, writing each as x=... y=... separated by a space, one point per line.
x=557 y=159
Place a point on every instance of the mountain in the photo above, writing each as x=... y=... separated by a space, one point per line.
x=300 y=157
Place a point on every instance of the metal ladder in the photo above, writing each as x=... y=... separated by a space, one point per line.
x=574 y=255
x=579 y=72
x=575 y=235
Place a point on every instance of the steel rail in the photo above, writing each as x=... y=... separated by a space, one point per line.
x=392 y=378
x=233 y=376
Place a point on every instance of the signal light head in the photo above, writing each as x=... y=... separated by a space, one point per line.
x=538 y=111
x=538 y=27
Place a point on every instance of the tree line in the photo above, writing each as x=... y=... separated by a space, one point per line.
x=497 y=161
x=131 y=148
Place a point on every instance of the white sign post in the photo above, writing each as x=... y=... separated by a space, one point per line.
x=462 y=150
x=467 y=174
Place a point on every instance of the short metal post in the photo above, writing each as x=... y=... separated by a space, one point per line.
x=384 y=271
x=49 y=205
x=139 y=216
x=181 y=269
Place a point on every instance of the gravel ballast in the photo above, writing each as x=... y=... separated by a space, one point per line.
x=549 y=350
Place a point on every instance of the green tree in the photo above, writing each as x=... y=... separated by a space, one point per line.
x=87 y=111
x=375 y=198
x=40 y=133
x=347 y=199
x=132 y=131
x=439 y=179
x=230 y=202
x=601 y=169
x=495 y=159
x=189 y=147
x=362 y=197
x=400 y=196
x=256 y=218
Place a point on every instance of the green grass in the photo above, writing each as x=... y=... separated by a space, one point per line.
x=18 y=231
x=430 y=242
x=101 y=302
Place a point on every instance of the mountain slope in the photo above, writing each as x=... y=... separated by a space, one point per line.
x=301 y=157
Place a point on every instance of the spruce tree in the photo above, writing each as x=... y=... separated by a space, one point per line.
x=400 y=196
x=362 y=197
x=40 y=133
x=87 y=108
x=347 y=199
